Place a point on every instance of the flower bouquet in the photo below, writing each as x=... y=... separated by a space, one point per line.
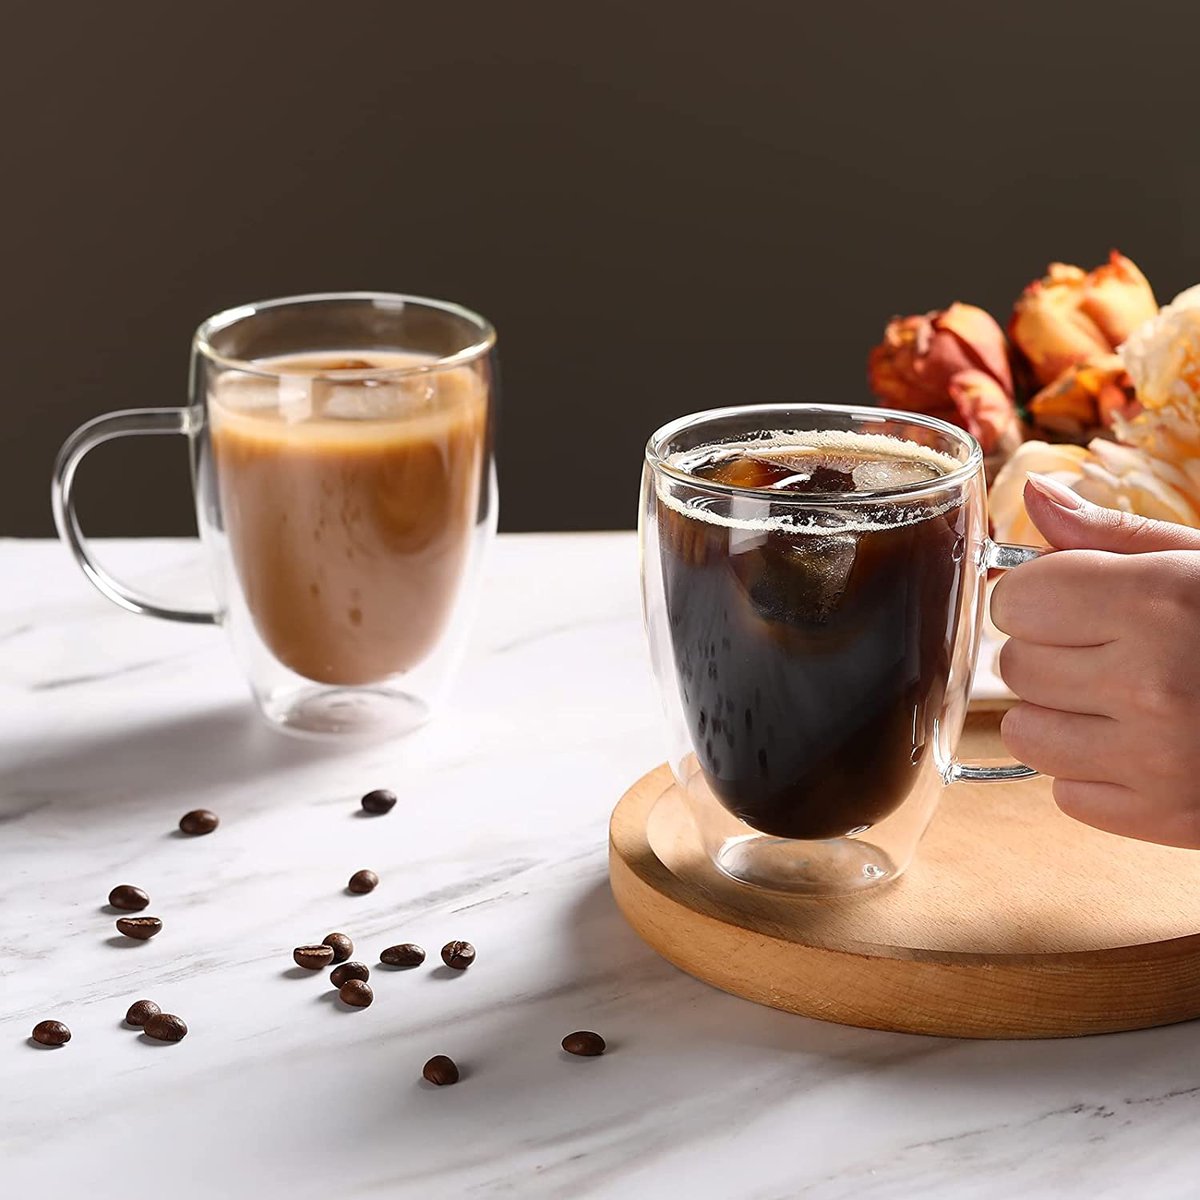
x=1093 y=385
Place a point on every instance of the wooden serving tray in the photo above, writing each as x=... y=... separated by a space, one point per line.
x=1014 y=922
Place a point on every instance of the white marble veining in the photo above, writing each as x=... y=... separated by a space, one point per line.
x=114 y=725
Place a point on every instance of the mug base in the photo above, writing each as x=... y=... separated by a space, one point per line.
x=837 y=867
x=858 y=862
x=330 y=713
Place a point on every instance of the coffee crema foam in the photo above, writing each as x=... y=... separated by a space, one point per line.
x=777 y=448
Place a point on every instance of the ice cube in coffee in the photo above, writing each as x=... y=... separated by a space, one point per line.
x=811 y=644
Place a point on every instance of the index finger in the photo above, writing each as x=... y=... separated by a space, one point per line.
x=1066 y=598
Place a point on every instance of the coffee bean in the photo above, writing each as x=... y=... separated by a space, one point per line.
x=51 y=1033
x=356 y=992
x=313 y=958
x=441 y=1070
x=348 y=971
x=584 y=1043
x=459 y=955
x=406 y=955
x=139 y=928
x=379 y=802
x=165 y=1027
x=141 y=1011
x=198 y=821
x=362 y=882
x=340 y=944
x=128 y=897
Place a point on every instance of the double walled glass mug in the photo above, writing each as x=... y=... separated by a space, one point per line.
x=341 y=450
x=813 y=585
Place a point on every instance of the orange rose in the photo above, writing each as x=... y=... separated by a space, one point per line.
x=951 y=364
x=1072 y=316
x=1088 y=396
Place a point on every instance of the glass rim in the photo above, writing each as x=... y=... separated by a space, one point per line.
x=656 y=460
x=483 y=344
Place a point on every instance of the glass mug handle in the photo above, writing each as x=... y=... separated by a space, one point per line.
x=87 y=436
x=1003 y=557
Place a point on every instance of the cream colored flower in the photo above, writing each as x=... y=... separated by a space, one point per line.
x=1132 y=480
x=1162 y=355
x=1163 y=360
x=1126 y=478
x=1006 y=503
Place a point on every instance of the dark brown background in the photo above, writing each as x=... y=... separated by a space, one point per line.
x=663 y=206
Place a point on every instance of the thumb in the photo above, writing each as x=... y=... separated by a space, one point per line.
x=1069 y=522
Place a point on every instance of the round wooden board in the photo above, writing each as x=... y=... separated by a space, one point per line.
x=1014 y=922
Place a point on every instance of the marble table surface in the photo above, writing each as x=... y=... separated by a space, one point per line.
x=114 y=725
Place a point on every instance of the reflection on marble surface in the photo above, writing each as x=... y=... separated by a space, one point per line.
x=115 y=725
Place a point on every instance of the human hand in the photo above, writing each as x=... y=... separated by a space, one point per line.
x=1104 y=654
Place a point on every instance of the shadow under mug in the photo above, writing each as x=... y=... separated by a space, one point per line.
x=814 y=651
x=341 y=449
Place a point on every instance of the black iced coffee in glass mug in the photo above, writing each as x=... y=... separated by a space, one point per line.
x=813 y=581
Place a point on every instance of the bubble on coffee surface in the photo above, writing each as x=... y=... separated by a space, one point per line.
x=825 y=463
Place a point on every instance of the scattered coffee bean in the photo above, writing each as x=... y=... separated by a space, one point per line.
x=584 y=1043
x=198 y=821
x=362 y=882
x=141 y=1011
x=139 y=928
x=356 y=992
x=341 y=945
x=165 y=1027
x=51 y=1033
x=459 y=955
x=441 y=1070
x=348 y=971
x=128 y=897
x=313 y=958
x=379 y=802
x=409 y=954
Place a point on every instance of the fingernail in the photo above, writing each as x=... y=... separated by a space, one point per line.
x=1055 y=492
